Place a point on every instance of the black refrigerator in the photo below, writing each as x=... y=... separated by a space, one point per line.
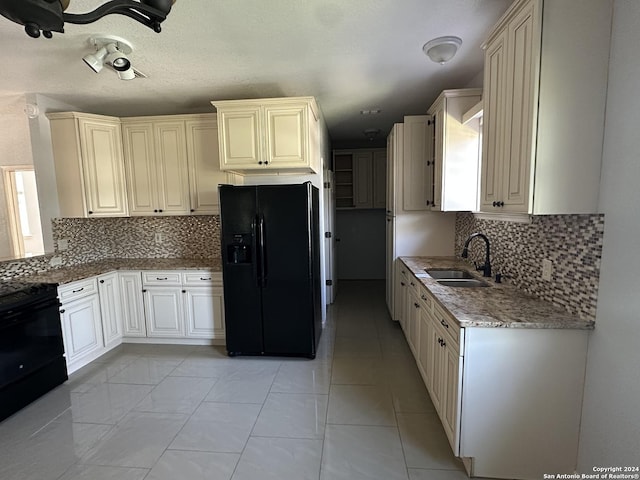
x=271 y=269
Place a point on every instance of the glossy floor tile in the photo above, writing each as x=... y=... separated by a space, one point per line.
x=359 y=410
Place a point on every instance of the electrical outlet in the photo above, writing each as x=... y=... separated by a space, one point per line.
x=547 y=270
x=63 y=244
x=159 y=237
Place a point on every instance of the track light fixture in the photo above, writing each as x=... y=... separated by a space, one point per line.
x=48 y=15
x=111 y=51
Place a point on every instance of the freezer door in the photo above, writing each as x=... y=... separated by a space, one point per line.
x=242 y=297
x=288 y=300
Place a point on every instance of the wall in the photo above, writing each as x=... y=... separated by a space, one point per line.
x=361 y=250
x=610 y=433
x=15 y=149
x=573 y=243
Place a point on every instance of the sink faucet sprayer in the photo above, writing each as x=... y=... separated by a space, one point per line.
x=486 y=268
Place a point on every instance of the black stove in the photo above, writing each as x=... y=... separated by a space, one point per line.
x=31 y=345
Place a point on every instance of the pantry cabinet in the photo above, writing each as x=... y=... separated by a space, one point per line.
x=275 y=134
x=455 y=164
x=417 y=191
x=544 y=106
x=87 y=151
x=360 y=178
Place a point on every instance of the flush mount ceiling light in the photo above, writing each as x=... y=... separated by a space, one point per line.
x=371 y=133
x=442 y=49
x=48 y=15
x=112 y=51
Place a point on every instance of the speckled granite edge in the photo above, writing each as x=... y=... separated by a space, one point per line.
x=90 y=269
x=499 y=305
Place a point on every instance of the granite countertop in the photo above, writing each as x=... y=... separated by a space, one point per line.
x=499 y=305
x=78 y=272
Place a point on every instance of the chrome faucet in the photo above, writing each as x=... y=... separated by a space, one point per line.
x=486 y=268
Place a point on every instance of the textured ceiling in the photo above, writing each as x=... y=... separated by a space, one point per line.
x=354 y=55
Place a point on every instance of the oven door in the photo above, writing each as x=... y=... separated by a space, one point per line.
x=30 y=338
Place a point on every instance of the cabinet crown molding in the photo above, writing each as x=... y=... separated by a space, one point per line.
x=85 y=116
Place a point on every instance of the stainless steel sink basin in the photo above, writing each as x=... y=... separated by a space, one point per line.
x=441 y=273
x=463 y=282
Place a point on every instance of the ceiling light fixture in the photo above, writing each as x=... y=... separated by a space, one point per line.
x=442 y=49
x=48 y=15
x=371 y=133
x=111 y=51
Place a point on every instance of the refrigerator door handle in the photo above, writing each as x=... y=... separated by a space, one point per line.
x=254 y=251
x=262 y=253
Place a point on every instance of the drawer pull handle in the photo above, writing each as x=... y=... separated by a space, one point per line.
x=164 y=278
x=416 y=305
x=76 y=291
x=412 y=284
x=444 y=324
x=424 y=297
x=205 y=279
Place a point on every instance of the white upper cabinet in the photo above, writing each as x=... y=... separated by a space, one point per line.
x=544 y=107
x=268 y=134
x=155 y=150
x=89 y=166
x=415 y=160
x=456 y=154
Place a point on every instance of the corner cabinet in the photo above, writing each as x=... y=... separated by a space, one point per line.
x=456 y=155
x=544 y=106
x=275 y=134
x=87 y=151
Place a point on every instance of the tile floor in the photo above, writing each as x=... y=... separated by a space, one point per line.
x=162 y=412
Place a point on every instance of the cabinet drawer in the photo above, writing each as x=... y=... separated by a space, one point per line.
x=425 y=299
x=202 y=278
x=158 y=277
x=414 y=284
x=449 y=325
x=79 y=289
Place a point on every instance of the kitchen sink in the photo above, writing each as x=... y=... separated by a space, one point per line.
x=446 y=274
x=463 y=282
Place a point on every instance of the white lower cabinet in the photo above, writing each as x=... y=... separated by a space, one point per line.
x=163 y=311
x=110 y=309
x=499 y=392
x=132 y=304
x=81 y=323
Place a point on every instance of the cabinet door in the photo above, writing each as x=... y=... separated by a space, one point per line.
x=171 y=168
x=139 y=154
x=82 y=328
x=285 y=136
x=450 y=408
x=435 y=369
x=425 y=348
x=204 y=166
x=413 y=320
x=363 y=177
x=132 y=304
x=390 y=278
x=437 y=163
x=494 y=123
x=379 y=178
x=164 y=311
x=204 y=312
x=110 y=309
x=239 y=137
x=416 y=153
x=103 y=168
x=391 y=172
x=523 y=40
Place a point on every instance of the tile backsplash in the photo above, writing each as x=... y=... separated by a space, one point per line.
x=91 y=239
x=573 y=243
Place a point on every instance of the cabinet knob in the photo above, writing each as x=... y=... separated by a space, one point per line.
x=416 y=305
x=423 y=297
x=444 y=324
x=90 y=212
x=160 y=210
x=266 y=162
x=192 y=210
x=144 y=290
x=260 y=162
x=156 y=211
x=101 y=281
x=62 y=311
x=184 y=291
x=402 y=283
